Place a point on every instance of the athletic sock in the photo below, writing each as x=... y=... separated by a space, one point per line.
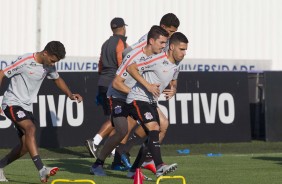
x=132 y=141
x=37 y=162
x=140 y=158
x=4 y=162
x=154 y=146
x=117 y=159
x=97 y=139
x=99 y=162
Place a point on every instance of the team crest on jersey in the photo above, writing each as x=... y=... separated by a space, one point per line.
x=148 y=115
x=165 y=62
x=142 y=58
x=118 y=109
x=21 y=114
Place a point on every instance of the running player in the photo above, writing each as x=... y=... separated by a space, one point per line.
x=170 y=23
x=110 y=60
x=27 y=74
x=142 y=98
x=156 y=42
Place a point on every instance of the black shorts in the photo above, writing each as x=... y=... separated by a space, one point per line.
x=17 y=114
x=103 y=100
x=144 y=112
x=119 y=108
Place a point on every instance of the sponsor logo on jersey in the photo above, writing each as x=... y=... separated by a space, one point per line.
x=32 y=64
x=165 y=63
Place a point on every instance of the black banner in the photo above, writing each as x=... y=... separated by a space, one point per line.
x=273 y=106
x=208 y=107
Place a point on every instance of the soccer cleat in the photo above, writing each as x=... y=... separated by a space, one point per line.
x=97 y=170
x=118 y=167
x=46 y=172
x=165 y=169
x=132 y=174
x=125 y=161
x=149 y=166
x=2 y=176
x=92 y=148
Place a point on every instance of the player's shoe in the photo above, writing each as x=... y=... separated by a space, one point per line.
x=165 y=169
x=132 y=174
x=2 y=176
x=125 y=161
x=46 y=172
x=149 y=166
x=97 y=170
x=91 y=147
x=118 y=167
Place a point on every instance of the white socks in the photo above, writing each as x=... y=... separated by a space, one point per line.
x=97 y=139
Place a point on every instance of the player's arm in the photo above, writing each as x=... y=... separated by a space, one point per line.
x=152 y=88
x=118 y=84
x=63 y=86
x=171 y=90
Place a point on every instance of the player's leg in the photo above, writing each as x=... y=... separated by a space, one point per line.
x=119 y=120
x=93 y=143
x=17 y=152
x=106 y=128
x=120 y=150
x=24 y=120
x=150 y=118
x=164 y=123
x=149 y=163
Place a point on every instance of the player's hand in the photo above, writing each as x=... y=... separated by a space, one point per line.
x=169 y=93
x=76 y=97
x=154 y=89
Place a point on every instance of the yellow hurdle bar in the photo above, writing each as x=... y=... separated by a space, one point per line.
x=72 y=181
x=171 y=177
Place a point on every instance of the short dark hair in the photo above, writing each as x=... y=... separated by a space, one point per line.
x=178 y=37
x=169 y=20
x=155 y=32
x=56 y=48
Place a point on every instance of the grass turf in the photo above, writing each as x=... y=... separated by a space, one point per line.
x=256 y=162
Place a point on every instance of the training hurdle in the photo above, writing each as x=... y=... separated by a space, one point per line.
x=72 y=181
x=171 y=177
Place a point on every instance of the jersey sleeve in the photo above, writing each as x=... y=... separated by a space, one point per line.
x=127 y=60
x=16 y=67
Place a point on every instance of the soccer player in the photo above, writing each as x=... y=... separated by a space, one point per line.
x=142 y=98
x=110 y=60
x=170 y=23
x=27 y=74
x=157 y=38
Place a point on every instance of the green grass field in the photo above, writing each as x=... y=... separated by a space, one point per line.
x=241 y=163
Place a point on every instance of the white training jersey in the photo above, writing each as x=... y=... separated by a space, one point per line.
x=156 y=70
x=133 y=56
x=26 y=78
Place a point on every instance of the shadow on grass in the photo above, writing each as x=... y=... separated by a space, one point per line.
x=277 y=160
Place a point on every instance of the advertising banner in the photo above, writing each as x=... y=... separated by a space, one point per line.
x=208 y=107
x=90 y=64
